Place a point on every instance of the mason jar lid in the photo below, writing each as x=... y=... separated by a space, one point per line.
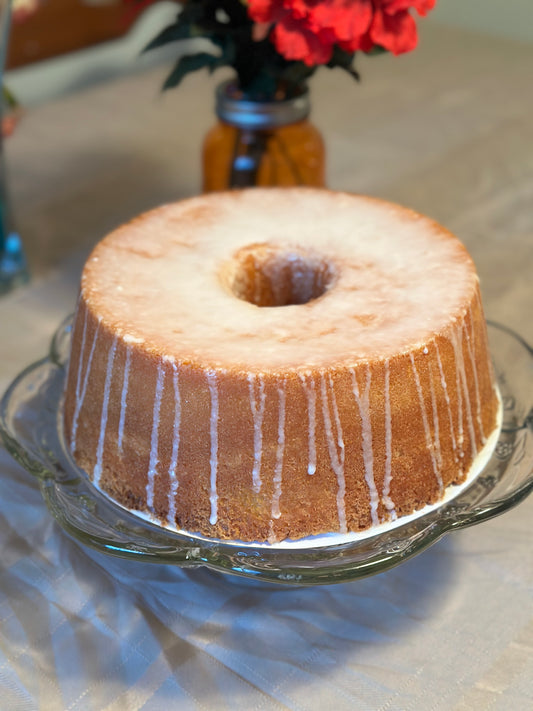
x=245 y=113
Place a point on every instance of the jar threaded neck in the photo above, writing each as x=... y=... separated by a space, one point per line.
x=246 y=113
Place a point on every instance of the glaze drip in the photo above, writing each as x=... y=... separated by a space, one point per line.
x=258 y=410
x=385 y=498
x=81 y=389
x=436 y=430
x=309 y=387
x=278 y=469
x=213 y=460
x=123 y=398
x=154 y=441
x=174 y=482
x=430 y=442
x=97 y=471
x=80 y=360
x=462 y=390
x=470 y=347
x=444 y=385
x=363 y=403
x=335 y=447
x=486 y=349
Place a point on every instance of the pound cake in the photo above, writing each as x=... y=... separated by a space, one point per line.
x=271 y=364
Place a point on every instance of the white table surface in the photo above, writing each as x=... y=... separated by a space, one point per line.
x=446 y=130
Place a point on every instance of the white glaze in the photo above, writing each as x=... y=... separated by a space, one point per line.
x=460 y=419
x=154 y=440
x=172 y=470
x=129 y=339
x=485 y=342
x=363 y=403
x=456 y=342
x=278 y=469
x=335 y=447
x=470 y=347
x=444 y=386
x=258 y=411
x=123 y=398
x=409 y=293
x=330 y=539
x=430 y=443
x=436 y=430
x=80 y=357
x=309 y=387
x=385 y=497
x=213 y=460
x=97 y=471
x=81 y=389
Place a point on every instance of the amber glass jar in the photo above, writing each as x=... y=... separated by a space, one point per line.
x=261 y=143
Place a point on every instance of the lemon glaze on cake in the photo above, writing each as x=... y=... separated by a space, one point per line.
x=274 y=364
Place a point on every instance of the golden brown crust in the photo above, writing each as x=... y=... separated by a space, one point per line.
x=386 y=435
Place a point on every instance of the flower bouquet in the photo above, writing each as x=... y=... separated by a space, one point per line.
x=274 y=47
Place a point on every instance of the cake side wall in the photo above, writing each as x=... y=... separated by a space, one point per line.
x=264 y=458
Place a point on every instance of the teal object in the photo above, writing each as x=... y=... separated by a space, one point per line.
x=13 y=266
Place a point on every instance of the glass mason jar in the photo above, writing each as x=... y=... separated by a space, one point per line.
x=263 y=143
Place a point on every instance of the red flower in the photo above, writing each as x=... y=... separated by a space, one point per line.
x=307 y=30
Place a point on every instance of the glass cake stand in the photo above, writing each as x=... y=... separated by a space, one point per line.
x=29 y=425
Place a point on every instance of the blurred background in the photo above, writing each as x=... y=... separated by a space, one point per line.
x=70 y=44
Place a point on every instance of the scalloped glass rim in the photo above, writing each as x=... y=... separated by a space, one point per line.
x=29 y=418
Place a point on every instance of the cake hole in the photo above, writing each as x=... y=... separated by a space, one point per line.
x=270 y=275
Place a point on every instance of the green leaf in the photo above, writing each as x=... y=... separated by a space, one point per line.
x=172 y=33
x=259 y=86
x=352 y=72
x=297 y=73
x=344 y=60
x=376 y=50
x=192 y=63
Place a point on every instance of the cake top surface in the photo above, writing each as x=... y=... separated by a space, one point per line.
x=279 y=278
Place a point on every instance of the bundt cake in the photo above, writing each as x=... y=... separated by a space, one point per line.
x=271 y=364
